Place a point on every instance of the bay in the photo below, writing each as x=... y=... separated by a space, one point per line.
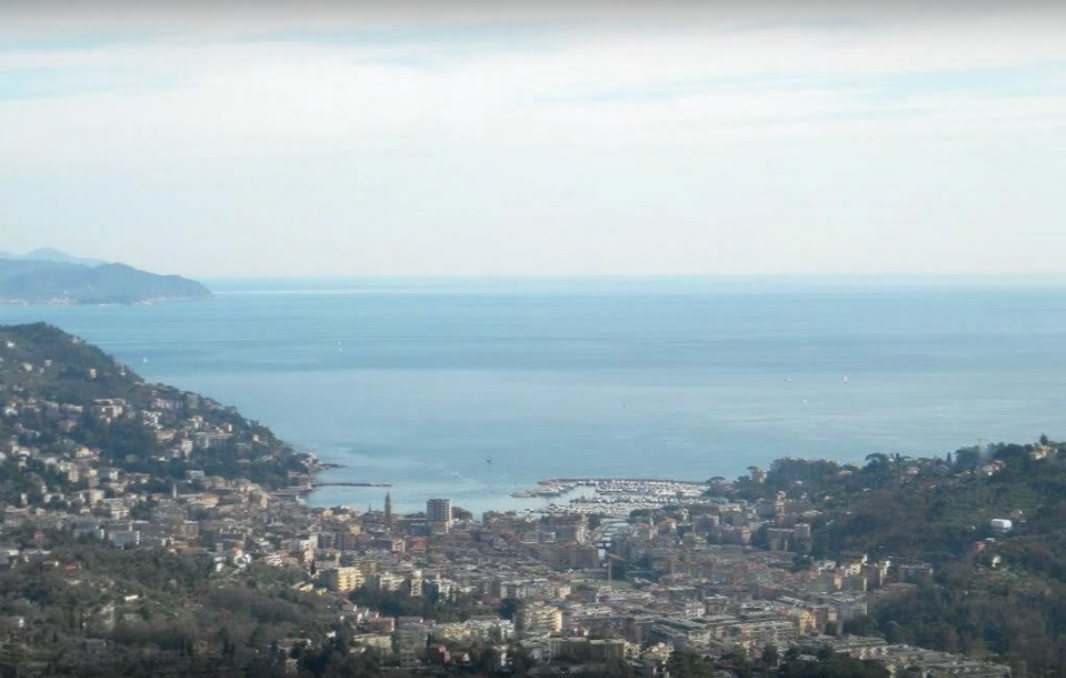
x=420 y=382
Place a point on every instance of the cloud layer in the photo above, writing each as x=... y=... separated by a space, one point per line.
x=559 y=138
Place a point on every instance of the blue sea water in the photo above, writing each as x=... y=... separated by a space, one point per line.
x=418 y=382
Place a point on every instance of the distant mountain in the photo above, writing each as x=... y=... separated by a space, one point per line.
x=54 y=255
x=52 y=277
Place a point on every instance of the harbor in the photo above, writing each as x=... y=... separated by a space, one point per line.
x=611 y=496
x=557 y=487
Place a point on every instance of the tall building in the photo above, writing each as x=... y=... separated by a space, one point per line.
x=439 y=511
x=388 y=509
x=539 y=619
x=410 y=641
x=343 y=578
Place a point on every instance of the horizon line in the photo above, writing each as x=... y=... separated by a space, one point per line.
x=631 y=276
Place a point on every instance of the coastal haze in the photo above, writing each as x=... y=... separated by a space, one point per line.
x=418 y=383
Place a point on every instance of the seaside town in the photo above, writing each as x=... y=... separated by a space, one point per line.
x=629 y=575
x=532 y=339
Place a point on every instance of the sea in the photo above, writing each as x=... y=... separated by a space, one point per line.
x=472 y=389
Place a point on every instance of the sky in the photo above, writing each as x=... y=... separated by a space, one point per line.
x=234 y=139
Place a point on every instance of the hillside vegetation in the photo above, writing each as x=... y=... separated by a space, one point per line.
x=61 y=395
x=993 y=593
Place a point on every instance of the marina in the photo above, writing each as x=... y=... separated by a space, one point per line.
x=557 y=487
x=612 y=496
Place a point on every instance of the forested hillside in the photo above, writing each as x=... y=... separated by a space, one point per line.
x=64 y=400
x=997 y=593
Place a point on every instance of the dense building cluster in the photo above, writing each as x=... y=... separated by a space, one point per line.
x=630 y=575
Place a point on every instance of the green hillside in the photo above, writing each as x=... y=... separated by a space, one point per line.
x=59 y=393
x=994 y=593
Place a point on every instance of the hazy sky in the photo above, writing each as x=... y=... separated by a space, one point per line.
x=532 y=137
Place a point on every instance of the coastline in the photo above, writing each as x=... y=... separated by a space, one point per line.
x=702 y=414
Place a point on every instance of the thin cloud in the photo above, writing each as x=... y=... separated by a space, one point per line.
x=190 y=94
x=539 y=137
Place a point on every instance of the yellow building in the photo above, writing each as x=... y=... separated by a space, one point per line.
x=540 y=619
x=343 y=579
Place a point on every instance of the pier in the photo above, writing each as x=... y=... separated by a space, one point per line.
x=298 y=491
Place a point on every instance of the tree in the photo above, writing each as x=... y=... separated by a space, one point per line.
x=688 y=664
x=520 y=659
x=862 y=625
x=770 y=656
x=509 y=607
x=968 y=458
x=877 y=461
